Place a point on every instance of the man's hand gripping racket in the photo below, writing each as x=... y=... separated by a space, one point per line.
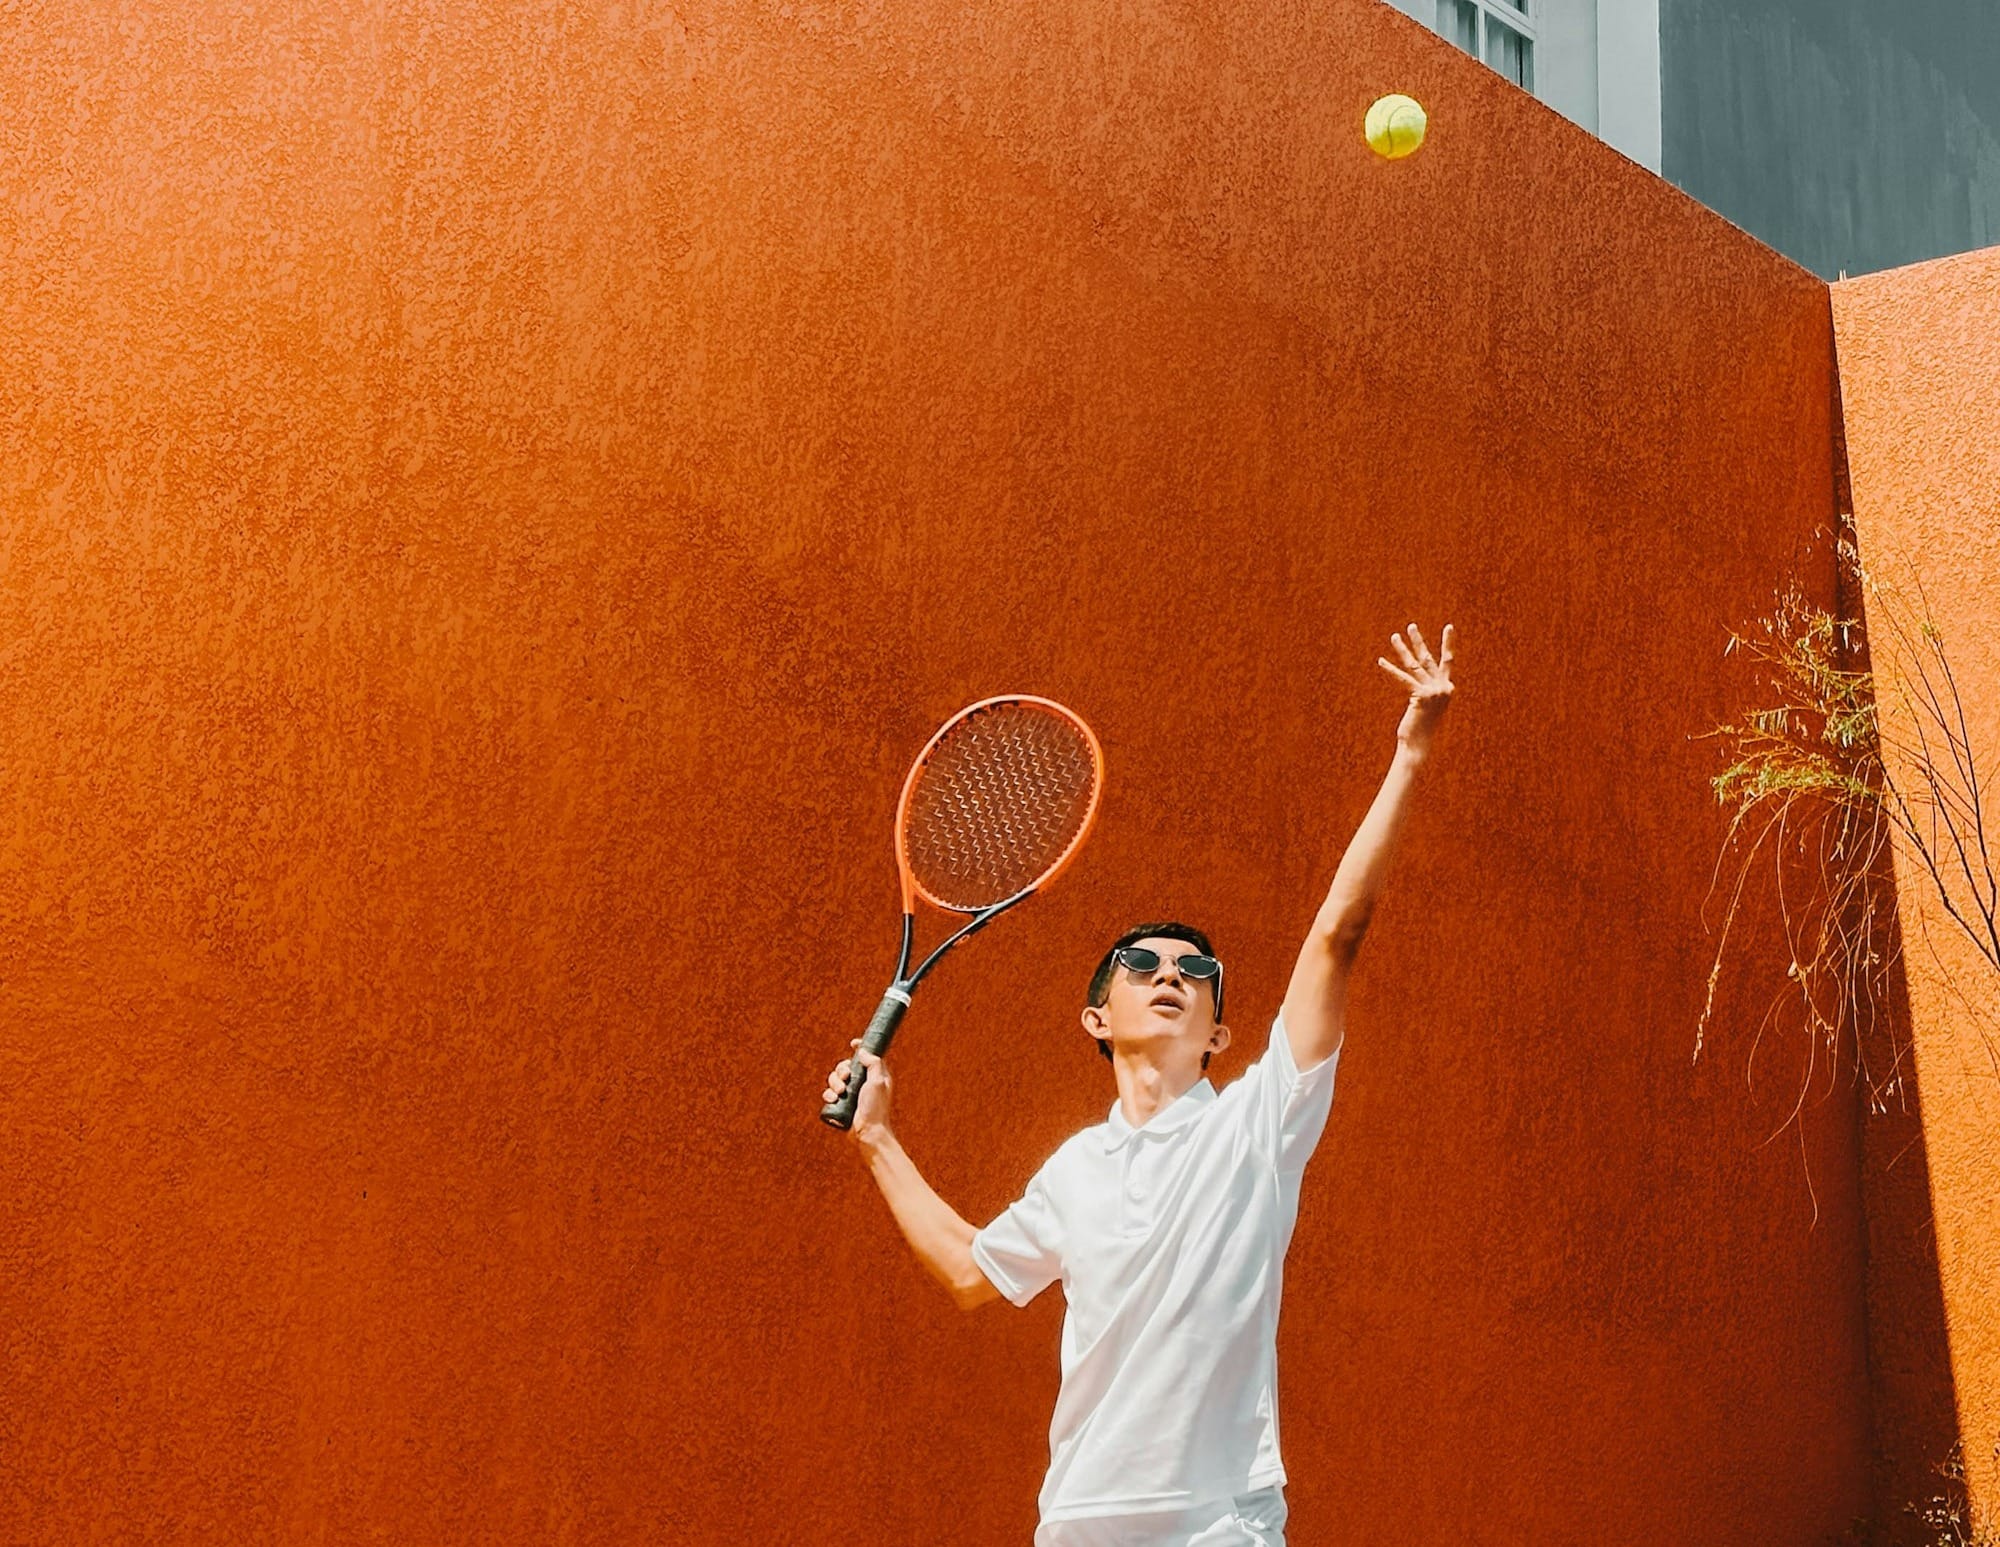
x=996 y=805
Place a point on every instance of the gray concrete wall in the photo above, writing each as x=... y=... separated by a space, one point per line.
x=1628 y=78
x=1848 y=134
x=1566 y=58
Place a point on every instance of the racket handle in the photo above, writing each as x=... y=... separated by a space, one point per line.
x=888 y=1016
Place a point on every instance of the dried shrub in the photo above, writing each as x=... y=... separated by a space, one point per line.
x=1809 y=782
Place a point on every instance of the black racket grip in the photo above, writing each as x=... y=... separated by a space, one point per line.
x=888 y=1016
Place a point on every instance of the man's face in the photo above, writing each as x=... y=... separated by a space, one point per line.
x=1174 y=1013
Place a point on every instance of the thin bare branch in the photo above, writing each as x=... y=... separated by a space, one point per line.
x=1813 y=778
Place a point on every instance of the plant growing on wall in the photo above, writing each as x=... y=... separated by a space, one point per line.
x=1808 y=778
x=1953 y=1519
x=1948 y=1519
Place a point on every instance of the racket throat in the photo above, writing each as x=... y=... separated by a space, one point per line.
x=985 y=917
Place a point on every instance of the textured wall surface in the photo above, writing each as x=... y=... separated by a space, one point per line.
x=1919 y=355
x=492 y=499
x=1849 y=134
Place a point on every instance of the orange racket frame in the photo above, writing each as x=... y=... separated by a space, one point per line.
x=888 y=1015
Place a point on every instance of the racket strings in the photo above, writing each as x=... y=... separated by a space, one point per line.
x=1000 y=801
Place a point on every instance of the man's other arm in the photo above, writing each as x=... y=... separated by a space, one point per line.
x=940 y=1237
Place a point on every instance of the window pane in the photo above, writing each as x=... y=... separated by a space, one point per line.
x=1510 y=53
x=1459 y=21
x=1516 y=5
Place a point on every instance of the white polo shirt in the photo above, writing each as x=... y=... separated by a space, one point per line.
x=1170 y=1243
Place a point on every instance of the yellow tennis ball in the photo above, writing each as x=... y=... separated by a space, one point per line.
x=1395 y=126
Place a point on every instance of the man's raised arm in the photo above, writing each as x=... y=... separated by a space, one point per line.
x=1316 y=1000
x=940 y=1237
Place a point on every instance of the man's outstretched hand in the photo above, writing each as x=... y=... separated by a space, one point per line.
x=1428 y=678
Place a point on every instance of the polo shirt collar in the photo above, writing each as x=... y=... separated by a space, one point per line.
x=1178 y=1113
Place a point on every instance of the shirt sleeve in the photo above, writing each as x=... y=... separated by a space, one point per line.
x=1287 y=1109
x=1021 y=1251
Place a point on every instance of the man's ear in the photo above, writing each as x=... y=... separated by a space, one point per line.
x=1218 y=1038
x=1097 y=1021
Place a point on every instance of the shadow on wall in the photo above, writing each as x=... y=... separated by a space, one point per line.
x=1913 y=1399
x=1909 y=1347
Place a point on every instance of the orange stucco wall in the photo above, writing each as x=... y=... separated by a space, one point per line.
x=492 y=499
x=1919 y=357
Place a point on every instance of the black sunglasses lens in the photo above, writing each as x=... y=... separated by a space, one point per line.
x=1193 y=965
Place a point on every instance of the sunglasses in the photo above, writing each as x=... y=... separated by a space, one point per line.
x=1194 y=966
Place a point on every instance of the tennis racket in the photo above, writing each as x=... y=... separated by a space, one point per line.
x=995 y=806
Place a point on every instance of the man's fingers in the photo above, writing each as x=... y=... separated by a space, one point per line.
x=1423 y=650
x=1399 y=674
x=1444 y=647
x=1403 y=649
x=872 y=1070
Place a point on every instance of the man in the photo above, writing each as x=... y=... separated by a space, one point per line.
x=1168 y=1224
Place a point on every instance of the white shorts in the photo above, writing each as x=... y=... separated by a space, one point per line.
x=1248 y=1520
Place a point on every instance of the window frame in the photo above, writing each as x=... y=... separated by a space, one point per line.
x=1524 y=22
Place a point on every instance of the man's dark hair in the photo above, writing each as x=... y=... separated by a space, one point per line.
x=1166 y=929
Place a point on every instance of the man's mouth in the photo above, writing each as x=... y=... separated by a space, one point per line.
x=1167 y=1002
